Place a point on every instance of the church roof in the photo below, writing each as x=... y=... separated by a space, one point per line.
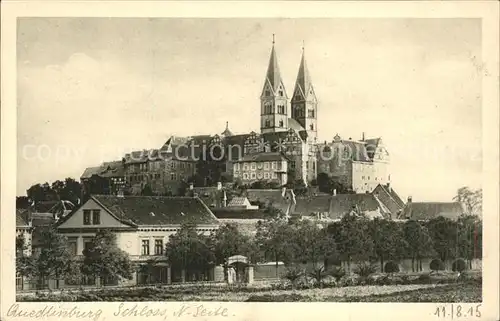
x=303 y=81
x=273 y=74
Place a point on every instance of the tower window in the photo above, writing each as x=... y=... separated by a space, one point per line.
x=310 y=113
x=268 y=123
x=281 y=93
x=312 y=126
x=267 y=93
x=281 y=123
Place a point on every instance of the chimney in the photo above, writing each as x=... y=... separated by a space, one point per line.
x=334 y=192
x=283 y=191
x=363 y=137
x=409 y=200
x=219 y=186
x=389 y=188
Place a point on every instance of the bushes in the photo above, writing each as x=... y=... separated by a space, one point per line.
x=436 y=265
x=459 y=266
x=365 y=270
x=391 y=267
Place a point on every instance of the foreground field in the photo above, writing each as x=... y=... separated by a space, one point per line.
x=455 y=292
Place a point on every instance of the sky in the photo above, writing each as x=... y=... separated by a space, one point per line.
x=93 y=89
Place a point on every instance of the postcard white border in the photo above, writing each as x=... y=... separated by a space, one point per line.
x=486 y=10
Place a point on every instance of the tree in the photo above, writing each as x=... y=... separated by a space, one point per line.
x=55 y=260
x=388 y=240
x=189 y=249
x=227 y=241
x=353 y=239
x=327 y=184
x=22 y=202
x=444 y=234
x=314 y=245
x=41 y=192
x=103 y=258
x=419 y=243
x=24 y=262
x=468 y=243
x=273 y=240
x=471 y=200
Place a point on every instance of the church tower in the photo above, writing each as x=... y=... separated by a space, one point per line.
x=304 y=102
x=273 y=100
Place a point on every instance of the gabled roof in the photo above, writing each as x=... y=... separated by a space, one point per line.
x=106 y=169
x=388 y=196
x=156 y=210
x=312 y=204
x=270 y=197
x=344 y=203
x=429 y=210
x=22 y=218
x=293 y=124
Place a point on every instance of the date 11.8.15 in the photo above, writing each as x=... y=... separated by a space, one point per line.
x=458 y=311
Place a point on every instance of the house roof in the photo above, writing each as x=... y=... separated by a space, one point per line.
x=156 y=210
x=293 y=124
x=223 y=213
x=389 y=197
x=22 y=218
x=263 y=157
x=244 y=226
x=430 y=210
x=270 y=197
x=106 y=169
x=338 y=205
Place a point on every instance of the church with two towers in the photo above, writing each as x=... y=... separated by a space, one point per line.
x=285 y=150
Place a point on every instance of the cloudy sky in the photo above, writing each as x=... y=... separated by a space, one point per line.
x=92 y=89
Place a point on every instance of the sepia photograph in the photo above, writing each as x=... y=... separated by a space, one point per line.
x=250 y=159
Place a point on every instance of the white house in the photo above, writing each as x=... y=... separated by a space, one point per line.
x=142 y=225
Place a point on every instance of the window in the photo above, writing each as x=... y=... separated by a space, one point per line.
x=87 y=244
x=245 y=166
x=173 y=176
x=96 y=217
x=245 y=176
x=268 y=123
x=314 y=166
x=236 y=174
x=86 y=217
x=275 y=175
x=281 y=123
x=158 y=247
x=266 y=165
x=267 y=93
x=292 y=164
x=252 y=175
x=273 y=165
x=266 y=175
x=145 y=247
x=312 y=126
x=281 y=93
x=362 y=177
x=253 y=166
x=310 y=113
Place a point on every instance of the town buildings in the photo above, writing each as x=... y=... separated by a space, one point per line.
x=142 y=225
x=288 y=135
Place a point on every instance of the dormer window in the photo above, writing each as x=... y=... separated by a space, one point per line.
x=281 y=93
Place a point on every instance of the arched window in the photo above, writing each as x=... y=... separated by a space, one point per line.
x=281 y=123
x=312 y=126
x=268 y=123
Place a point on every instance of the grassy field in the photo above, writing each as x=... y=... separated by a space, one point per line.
x=456 y=292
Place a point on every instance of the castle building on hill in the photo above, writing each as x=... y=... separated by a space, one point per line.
x=288 y=133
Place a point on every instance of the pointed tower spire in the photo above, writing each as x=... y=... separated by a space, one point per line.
x=274 y=101
x=226 y=131
x=304 y=102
